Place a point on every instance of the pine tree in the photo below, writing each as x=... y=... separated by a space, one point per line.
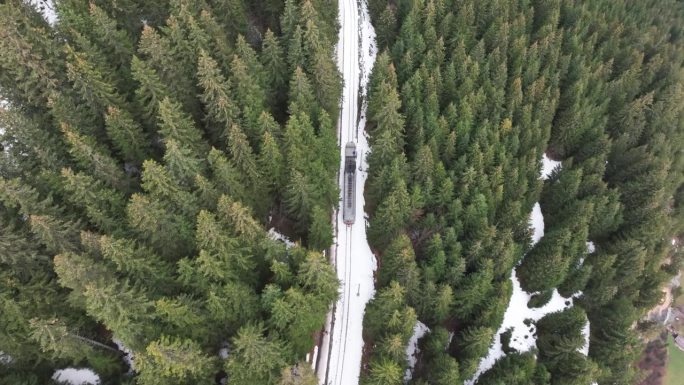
x=242 y=155
x=385 y=372
x=124 y=308
x=104 y=206
x=318 y=277
x=270 y=164
x=301 y=96
x=138 y=262
x=320 y=231
x=56 y=234
x=254 y=359
x=226 y=176
x=126 y=135
x=165 y=186
x=95 y=159
x=116 y=42
x=391 y=217
x=91 y=85
x=175 y=124
x=248 y=92
x=183 y=165
x=150 y=91
x=32 y=64
x=275 y=67
x=174 y=360
x=217 y=97
x=170 y=234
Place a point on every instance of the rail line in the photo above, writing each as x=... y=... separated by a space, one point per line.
x=345 y=308
x=342 y=345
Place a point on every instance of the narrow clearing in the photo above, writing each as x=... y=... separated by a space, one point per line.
x=352 y=257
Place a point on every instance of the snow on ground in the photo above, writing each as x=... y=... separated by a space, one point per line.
x=128 y=354
x=591 y=247
x=5 y=358
x=314 y=358
x=4 y=104
x=585 y=332
x=548 y=166
x=275 y=235
x=523 y=337
x=412 y=349
x=537 y=223
x=75 y=376
x=224 y=352
x=353 y=259
x=46 y=8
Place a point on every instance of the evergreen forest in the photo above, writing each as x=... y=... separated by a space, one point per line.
x=464 y=99
x=152 y=153
x=148 y=147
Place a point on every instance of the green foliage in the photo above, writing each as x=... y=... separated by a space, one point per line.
x=464 y=99
x=179 y=361
x=144 y=146
x=255 y=359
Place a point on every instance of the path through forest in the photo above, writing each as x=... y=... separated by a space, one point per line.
x=353 y=259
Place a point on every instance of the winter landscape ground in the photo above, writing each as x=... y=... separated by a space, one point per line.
x=352 y=257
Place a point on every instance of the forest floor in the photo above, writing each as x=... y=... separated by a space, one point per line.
x=353 y=259
x=653 y=361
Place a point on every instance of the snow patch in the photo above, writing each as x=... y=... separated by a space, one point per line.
x=45 y=8
x=128 y=354
x=5 y=358
x=224 y=352
x=548 y=166
x=591 y=247
x=276 y=236
x=537 y=223
x=585 y=332
x=314 y=357
x=523 y=337
x=75 y=376
x=412 y=349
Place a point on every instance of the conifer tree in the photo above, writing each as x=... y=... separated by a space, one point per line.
x=126 y=135
x=272 y=59
x=93 y=158
x=175 y=360
x=217 y=97
x=255 y=359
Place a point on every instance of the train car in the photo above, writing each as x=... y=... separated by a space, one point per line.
x=349 y=199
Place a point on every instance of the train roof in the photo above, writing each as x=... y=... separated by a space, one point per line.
x=350 y=149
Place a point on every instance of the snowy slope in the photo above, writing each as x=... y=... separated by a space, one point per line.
x=353 y=259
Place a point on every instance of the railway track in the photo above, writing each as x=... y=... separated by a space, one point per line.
x=354 y=262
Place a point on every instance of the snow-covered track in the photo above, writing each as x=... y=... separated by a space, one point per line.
x=354 y=262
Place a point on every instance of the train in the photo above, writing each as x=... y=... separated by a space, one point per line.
x=349 y=197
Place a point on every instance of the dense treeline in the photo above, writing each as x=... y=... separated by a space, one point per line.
x=147 y=146
x=464 y=99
